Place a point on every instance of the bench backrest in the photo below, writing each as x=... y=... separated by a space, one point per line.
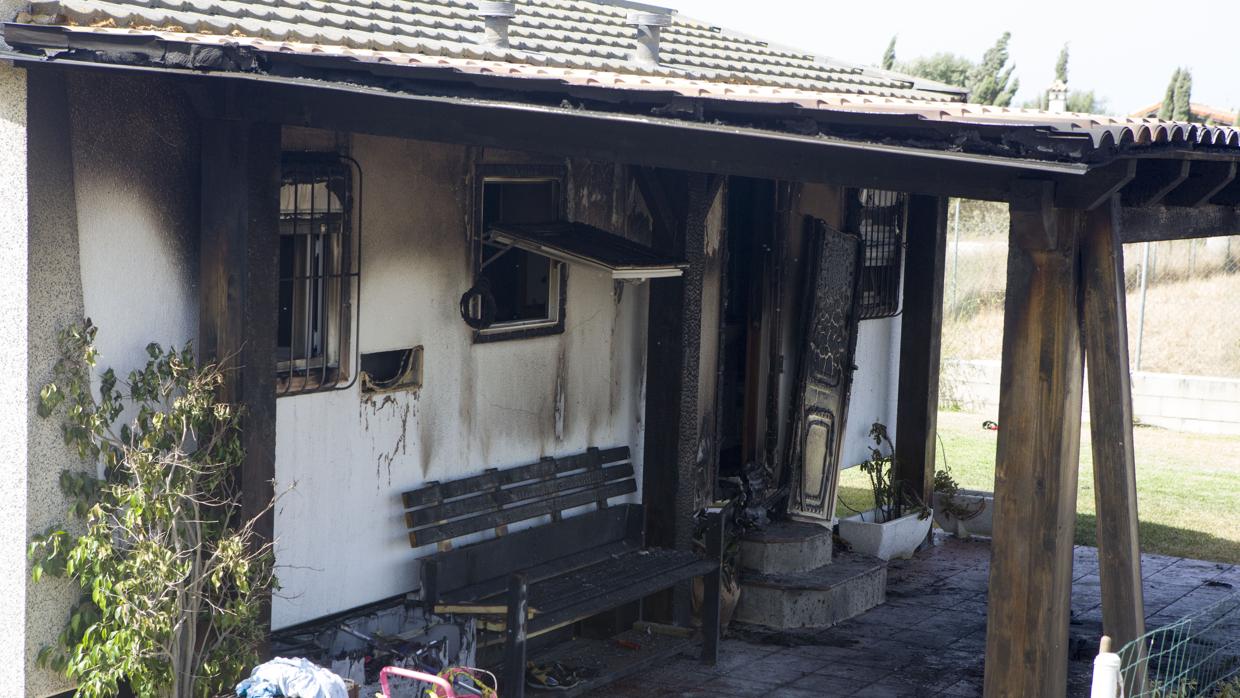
x=441 y=511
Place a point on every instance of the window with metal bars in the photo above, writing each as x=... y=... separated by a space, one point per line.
x=320 y=265
x=880 y=218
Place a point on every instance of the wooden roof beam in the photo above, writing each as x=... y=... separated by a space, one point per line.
x=1089 y=191
x=1229 y=195
x=1205 y=179
x=1155 y=180
x=1154 y=223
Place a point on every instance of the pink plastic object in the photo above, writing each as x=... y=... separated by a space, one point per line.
x=441 y=683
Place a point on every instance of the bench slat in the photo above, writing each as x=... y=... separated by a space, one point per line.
x=580 y=585
x=520 y=513
x=482 y=569
x=492 y=479
x=542 y=572
x=496 y=499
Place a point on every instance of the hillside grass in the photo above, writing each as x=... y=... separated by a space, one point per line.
x=1188 y=485
x=1191 y=327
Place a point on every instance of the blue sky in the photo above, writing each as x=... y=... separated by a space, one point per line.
x=1120 y=50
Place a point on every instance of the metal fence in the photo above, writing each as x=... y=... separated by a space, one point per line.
x=1183 y=296
x=1198 y=655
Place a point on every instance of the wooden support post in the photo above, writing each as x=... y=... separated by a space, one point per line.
x=1036 y=464
x=920 y=334
x=515 y=636
x=238 y=290
x=1110 y=412
x=672 y=489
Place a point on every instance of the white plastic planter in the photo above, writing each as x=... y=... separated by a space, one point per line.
x=898 y=538
x=971 y=500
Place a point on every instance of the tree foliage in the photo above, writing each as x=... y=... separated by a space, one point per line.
x=947 y=68
x=889 y=56
x=1177 y=101
x=1061 y=65
x=1168 y=103
x=1183 y=97
x=173 y=581
x=990 y=81
x=1086 y=102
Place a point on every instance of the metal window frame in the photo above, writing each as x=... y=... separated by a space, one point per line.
x=318 y=373
x=557 y=301
x=868 y=217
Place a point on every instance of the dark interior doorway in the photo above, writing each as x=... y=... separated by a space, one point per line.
x=751 y=223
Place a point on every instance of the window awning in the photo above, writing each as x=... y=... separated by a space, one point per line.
x=578 y=243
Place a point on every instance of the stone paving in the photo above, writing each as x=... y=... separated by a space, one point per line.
x=928 y=639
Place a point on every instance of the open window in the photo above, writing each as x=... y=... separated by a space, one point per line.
x=319 y=269
x=525 y=290
x=880 y=218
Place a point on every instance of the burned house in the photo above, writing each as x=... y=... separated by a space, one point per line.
x=514 y=287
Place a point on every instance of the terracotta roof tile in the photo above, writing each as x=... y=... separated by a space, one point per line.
x=562 y=33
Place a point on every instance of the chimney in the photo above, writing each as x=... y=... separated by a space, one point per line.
x=648 y=25
x=1057 y=97
x=495 y=18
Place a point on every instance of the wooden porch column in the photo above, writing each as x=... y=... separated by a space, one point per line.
x=1039 y=441
x=674 y=370
x=1110 y=412
x=238 y=287
x=920 y=334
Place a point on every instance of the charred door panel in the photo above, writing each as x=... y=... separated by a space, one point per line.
x=830 y=326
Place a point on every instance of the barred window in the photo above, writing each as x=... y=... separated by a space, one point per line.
x=319 y=271
x=880 y=217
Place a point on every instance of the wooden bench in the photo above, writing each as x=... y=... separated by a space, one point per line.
x=557 y=573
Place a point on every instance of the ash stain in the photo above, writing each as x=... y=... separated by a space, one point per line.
x=372 y=406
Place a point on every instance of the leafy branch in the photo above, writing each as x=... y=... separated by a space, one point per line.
x=173 y=580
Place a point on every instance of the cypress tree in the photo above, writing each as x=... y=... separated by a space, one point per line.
x=1183 y=97
x=990 y=82
x=1167 y=109
x=1061 y=65
x=889 y=56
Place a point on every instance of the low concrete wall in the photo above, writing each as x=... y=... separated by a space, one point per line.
x=1186 y=403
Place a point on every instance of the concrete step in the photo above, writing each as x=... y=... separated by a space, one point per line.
x=819 y=598
x=786 y=547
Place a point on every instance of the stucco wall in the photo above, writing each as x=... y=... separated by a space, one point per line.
x=341 y=542
x=54 y=300
x=111 y=218
x=875 y=387
x=14 y=409
x=136 y=164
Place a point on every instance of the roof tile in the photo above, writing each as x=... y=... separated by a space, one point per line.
x=572 y=34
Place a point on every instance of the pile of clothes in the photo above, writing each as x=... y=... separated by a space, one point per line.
x=285 y=677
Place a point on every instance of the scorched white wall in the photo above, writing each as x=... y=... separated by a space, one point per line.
x=343 y=460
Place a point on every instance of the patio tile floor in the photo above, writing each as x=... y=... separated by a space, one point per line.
x=927 y=640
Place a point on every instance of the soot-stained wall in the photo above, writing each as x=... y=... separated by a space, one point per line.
x=342 y=460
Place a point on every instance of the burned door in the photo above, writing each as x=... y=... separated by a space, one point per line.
x=830 y=339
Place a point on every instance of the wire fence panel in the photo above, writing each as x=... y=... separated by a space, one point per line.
x=1198 y=655
x=1183 y=296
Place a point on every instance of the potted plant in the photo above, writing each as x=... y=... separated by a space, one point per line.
x=961 y=512
x=899 y=521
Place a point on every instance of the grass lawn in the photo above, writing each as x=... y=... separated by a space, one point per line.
x=1188 y=485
